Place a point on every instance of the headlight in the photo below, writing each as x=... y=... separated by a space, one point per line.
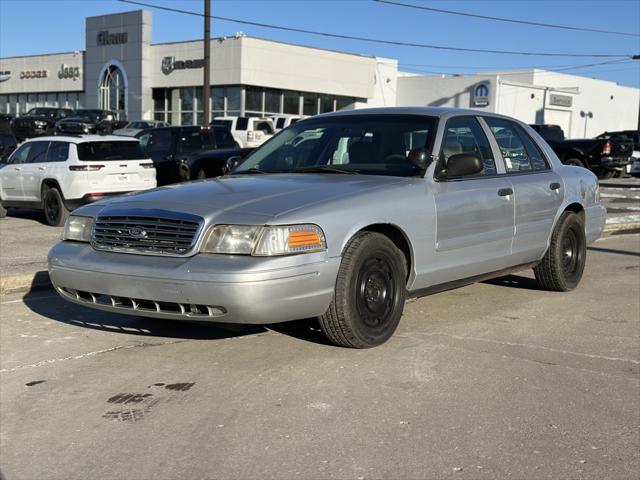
x=40 y=124
x=77 y=229
x=264 y=241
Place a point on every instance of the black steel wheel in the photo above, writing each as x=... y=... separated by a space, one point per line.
x=55 y=211
x=369 y=294
x=563 y=264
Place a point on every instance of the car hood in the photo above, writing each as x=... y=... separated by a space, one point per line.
x=270 y=195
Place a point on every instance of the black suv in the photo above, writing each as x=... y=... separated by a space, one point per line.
x=85 y=121
x=188 y=153
x=37 y=122
x=8 y=144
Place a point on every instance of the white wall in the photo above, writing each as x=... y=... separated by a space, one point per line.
x=443 y=92
x=524 y=102
x=385 y=88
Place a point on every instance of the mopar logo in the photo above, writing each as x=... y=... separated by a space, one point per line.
x=481 y=95
x=137 y=232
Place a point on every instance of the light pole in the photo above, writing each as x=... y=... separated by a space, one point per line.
x=206 y=91
x=586 y=116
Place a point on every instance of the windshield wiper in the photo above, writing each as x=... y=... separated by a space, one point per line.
x=324 y=169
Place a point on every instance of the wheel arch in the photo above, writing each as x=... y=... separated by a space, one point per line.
x=49 y=183
x=399 y=238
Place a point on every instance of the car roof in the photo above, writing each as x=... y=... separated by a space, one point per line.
x=426 y=111
x=81 y=139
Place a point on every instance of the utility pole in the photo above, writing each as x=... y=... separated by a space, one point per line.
x=206 y=91
x=637 y=57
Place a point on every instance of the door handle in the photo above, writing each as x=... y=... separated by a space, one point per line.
x=41 y=168
x=17 y=168
x=505 y=192
x=554 y=186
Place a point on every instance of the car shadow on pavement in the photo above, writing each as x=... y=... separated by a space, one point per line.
x=27 y=213
x=59 y=310
x=514 y=281
x=56 y=309
x=613 y=250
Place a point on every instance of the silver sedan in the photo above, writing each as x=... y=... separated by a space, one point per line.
x=340 y=217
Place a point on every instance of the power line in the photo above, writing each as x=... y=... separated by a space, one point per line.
x=497 y=67
x=374 y=40
x=508 y=20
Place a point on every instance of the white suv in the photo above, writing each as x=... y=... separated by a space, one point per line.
x=248 y=132
x=58 y=174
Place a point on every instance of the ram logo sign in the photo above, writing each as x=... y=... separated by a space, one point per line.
x=481 y=95
x=169 y=64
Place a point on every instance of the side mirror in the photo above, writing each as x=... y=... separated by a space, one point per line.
x=462 y=164
x=232 y=163
x=419 y=158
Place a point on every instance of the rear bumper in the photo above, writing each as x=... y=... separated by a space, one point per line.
x=596 y=216
x=74 y=203
x=613 y=162
x=218 y=288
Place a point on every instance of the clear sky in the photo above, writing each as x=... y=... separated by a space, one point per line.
x=30 y=27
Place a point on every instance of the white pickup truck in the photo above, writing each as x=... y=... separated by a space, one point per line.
x=248 y=132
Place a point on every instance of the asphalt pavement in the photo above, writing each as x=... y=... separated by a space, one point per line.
x=493 y=380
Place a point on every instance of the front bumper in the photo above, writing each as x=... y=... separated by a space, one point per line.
x=219 y=288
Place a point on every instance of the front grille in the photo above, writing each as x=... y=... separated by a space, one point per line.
x=147 y=235
x=71 y=127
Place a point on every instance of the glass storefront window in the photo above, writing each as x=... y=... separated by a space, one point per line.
x=326 y=103
x=291 y=102
x=217 y=99
x=272 y=100
x=186 y=118
x=233 y=100
x=253 y=99
x=310 y=104
x=199 y=104
x=344 y=103
x=159 y=95
x=186 y=98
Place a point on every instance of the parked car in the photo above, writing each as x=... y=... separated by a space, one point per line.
x=5 y=122
x=131 y=129
x=248 y=132
x=187 y=153
x=8 y=144
x=604 y=157
x=87 y=121
x=282 y=122
x=59 y=174
x=413 y=208
x=634 y=136
x=37 y=122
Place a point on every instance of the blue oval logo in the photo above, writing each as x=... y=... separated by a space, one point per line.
x=137 y=232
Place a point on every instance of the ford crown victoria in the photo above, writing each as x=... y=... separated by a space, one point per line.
x=340 y=217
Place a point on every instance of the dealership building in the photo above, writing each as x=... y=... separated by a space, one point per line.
x=121 y=70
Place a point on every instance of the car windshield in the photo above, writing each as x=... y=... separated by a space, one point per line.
x=93 y=115
x=104 y=151
x=366 y=144
x=140 y=125
x=42 y=112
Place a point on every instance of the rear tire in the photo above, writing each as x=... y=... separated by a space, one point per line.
x=605 y=175
x=55 y=211
x=575 y=162
x=562 y=266
x=369 y=294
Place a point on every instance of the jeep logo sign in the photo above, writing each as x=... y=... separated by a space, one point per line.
x=69 y=72
x=106 y=38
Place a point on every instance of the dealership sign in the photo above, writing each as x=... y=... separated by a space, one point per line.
x=106 y=38
x=34 y=74
x=169 y=64
x=67 y=71
x=560 y=100
x=481 y=95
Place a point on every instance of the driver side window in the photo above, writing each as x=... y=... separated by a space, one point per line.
x=21 y=155
x=465 y=135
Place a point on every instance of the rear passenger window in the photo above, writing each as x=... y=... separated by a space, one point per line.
x=519 y=152
x=58 y=152
x=242 y=123
x=465 y=135
x=38 y=153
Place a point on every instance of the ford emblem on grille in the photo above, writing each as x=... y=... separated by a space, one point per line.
x=137 y=232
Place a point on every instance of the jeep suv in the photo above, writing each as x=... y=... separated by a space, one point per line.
x=58 y=174
x=248 y=132
x=37 y=122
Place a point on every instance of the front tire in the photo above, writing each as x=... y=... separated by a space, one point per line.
x=562 y=266
x=369 y=294
x=55 y=211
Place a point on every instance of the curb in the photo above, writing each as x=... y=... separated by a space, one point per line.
x=31 y=282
